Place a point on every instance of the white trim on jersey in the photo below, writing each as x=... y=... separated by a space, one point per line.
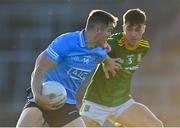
x=81 y=69
x=82 y=43
x=52 y=52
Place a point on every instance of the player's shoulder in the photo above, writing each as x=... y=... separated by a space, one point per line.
x=68 y=39
x=69 y=36
x=144 y=43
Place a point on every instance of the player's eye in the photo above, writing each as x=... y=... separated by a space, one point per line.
x=129 y=29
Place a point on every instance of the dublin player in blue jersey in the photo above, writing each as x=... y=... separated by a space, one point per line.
x=69 y=59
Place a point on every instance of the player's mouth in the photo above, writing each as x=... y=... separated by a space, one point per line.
x=133 y=40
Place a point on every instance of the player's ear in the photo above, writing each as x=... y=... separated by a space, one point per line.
x=98 y=29
x=123 y=27
x=144 y=28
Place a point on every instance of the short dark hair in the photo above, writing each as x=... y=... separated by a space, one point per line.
x=102 y=17
x=134 y=17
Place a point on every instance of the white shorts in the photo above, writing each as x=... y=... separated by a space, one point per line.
x=100 y=113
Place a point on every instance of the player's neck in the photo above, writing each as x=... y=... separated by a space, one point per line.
x=131 y=46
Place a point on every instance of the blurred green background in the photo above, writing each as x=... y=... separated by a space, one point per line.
x=28 y=26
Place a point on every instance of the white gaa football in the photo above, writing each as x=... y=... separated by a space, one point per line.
x=54 y=91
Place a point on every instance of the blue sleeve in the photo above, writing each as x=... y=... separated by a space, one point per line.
x=58 y=49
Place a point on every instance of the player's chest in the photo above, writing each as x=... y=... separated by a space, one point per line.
x=130 y=59
x=86 y=57
x=127 y=58
x=83 y=59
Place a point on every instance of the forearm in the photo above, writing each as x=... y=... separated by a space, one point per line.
x=36 y=82
x=43 y=64
x=36 y=86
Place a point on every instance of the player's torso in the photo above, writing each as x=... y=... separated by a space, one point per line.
x=74 y=68
x=117 y=89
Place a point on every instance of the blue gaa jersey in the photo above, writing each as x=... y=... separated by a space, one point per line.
x=74 y=61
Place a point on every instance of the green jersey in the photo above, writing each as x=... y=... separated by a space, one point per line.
x=116 y=90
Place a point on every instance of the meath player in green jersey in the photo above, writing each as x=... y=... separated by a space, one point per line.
x=110 y=98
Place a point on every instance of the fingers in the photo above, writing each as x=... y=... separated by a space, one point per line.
x=107 y=70
x=116 y=59
x=116 y=67
x=57 y=104
x=113 y=73
x=111 y=66
x=57 y=107
x=49 y=104
x=106 y=74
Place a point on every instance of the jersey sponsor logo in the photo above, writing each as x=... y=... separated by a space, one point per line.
x=77 y=73
x=132 y=67
x=127 y=62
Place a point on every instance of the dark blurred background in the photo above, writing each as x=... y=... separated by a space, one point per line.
x=28 y=26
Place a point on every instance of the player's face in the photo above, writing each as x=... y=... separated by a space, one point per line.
x=103 y=34
x=133 y=33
